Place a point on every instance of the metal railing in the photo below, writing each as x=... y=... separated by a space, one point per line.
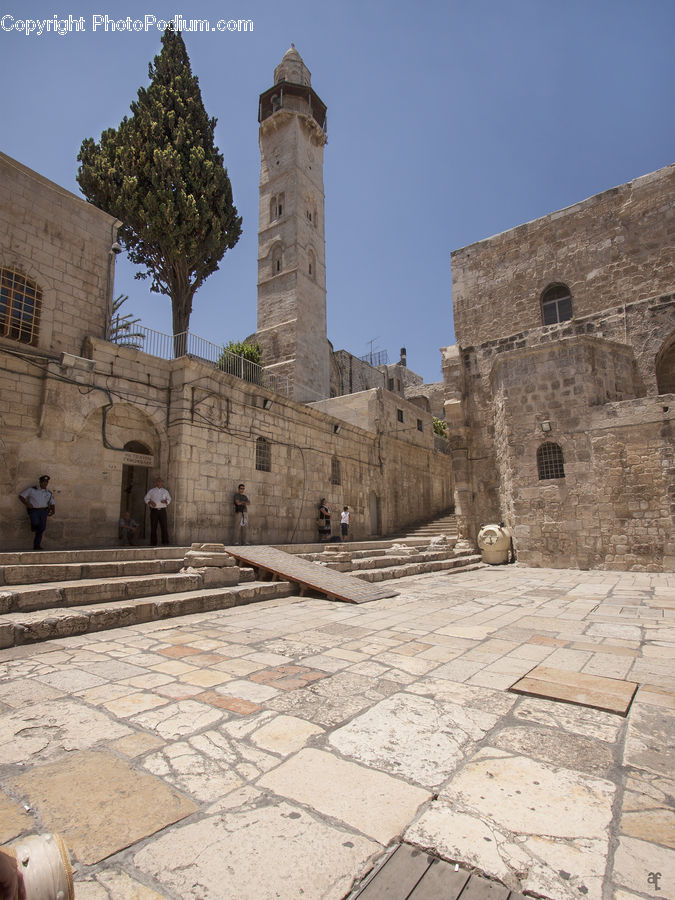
x=175 y=346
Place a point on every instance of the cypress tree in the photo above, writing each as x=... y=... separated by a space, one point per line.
x=161 y=174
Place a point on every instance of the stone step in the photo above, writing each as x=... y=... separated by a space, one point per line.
x=463 y=563
x=88 y=591
x=49 y=624
x=49 y=557
x=40 y=573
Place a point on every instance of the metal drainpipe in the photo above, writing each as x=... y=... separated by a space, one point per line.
x=109 y=281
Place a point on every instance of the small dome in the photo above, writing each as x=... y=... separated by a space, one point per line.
x=292 y=68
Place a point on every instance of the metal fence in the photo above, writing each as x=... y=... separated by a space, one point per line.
x=175 y=346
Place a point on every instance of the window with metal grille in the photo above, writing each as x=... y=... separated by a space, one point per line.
x=399 y=415
x=263 y=455
x=550 y=461
x=335 y=475
x=556 y=304
x=20 y=303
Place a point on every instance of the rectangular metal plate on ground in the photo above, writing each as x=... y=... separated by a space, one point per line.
x=607 y=694
x=309 y=575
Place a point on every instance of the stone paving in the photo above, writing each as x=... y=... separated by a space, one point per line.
x=275 y=750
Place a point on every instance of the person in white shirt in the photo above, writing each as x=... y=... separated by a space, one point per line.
x=344 y=523
x=39 y=502
x=158 y=498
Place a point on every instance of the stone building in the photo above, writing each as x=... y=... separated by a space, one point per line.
x=559 y=391
x=104 y=420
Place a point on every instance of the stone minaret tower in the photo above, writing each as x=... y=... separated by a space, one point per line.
x=291 y=238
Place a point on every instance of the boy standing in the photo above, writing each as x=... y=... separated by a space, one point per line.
x=344 y=523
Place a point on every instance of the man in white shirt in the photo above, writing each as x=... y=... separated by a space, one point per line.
x=158 y=498
x=39 y=502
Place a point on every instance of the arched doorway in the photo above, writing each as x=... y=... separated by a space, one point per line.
x=665 y=367
x=136 y=465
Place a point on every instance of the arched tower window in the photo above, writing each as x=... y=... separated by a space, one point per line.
x=550 y=461
x=335 y=474
x=277 y=259
x=277 y=206
x=263 y=455
x=20 y=304
x=665 y=367
x=556 y=304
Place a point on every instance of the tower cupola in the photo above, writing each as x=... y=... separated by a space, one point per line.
x=292 y=69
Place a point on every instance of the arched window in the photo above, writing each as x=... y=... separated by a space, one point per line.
x=277 y=206
x=277 y=259
x=263 y=455
x=665 y=367
x=20 y=303
x=311 y=265
x=556 y=304
x=335 y=475
x=550 y=461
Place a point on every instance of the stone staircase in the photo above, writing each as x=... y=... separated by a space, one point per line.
x=57 y=594
x=443 y=525
x=428 y=548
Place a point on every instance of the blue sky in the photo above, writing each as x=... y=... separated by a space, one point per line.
x=447 y=122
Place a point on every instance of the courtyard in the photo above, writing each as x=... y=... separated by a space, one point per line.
x=276 y=750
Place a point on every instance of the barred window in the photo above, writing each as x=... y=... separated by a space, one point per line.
x=550 y=461
x=20 y=303
x=263 y=455
x=335 y=475
x=556 y=304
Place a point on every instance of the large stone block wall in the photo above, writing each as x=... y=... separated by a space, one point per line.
x=613 y=507
x=611 y=249
x=200 y=427
x=63 y=243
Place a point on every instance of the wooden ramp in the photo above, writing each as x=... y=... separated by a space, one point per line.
x=308 y=575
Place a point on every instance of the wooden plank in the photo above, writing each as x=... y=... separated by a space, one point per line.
x=398 y=876
x=336 y=585
x=608 y=694
x=480 y=888
x=440 y=882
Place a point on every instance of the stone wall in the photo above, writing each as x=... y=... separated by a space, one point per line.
x=63 y=243
x=611 y=249
x=590 y=384
x=200 y=428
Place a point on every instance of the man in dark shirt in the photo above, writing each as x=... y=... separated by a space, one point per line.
x=241 y=502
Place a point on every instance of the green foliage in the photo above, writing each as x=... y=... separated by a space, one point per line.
x=440 y=427
x=121 y=326
x=161 y=174
x=236 y=359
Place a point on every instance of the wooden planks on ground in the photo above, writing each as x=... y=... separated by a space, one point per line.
x=607 y=694
x=309 y=575
x=413 y=874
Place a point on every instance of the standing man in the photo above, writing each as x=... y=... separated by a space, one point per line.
x=40 y=504
x=158 y=498
x=344 y=523
x=241 y=502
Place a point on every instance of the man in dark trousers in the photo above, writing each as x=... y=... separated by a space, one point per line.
x=241 y=502
x=158 y=498
x=39 y=502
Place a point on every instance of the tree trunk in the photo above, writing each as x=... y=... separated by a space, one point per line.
x=181 y=307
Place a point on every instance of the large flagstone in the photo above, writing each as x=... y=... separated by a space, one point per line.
x=98 y=803
x=265 y=850
x=534 y=826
